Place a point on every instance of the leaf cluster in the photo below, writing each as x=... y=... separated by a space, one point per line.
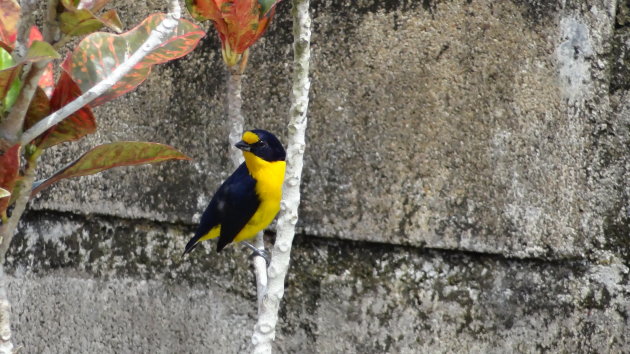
x=90 y=62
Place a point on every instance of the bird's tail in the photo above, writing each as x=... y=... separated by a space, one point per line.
x=191 y=244
x=201 y=235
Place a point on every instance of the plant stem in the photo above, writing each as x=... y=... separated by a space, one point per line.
x=23 y=190
x=7 y=230
x=265 y=329
x=11 y=127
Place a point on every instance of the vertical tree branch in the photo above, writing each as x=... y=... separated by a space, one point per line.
x=24 y=29
x=234 y=116
x=236 y=123
x=51 y=26
x=265 y=329
x=22 y=188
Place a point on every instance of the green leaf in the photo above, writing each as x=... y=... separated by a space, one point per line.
x=99 y=54
x=9 y=80
x=38 y=109
x=10 y=83
x=266 y=5
x=107 y=156
x=6 y=60
x=79 y=23
x=40 y=50
x=4 y=193
x=46 y=52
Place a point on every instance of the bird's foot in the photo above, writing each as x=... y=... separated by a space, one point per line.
x=258 y=252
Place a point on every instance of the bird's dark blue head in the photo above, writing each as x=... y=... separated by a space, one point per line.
x=262 y=144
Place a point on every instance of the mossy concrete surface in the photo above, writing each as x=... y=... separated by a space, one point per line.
x=465 y=190
x=77 y=286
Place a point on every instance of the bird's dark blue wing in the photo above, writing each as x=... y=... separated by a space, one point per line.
x=241 y=202
x=232 y=206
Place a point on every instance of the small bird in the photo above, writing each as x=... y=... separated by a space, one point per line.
x=249 y=199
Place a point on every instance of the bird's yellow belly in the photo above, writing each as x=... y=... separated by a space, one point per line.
x=261 y=219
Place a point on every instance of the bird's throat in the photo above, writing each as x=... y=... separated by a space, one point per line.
x=269 y=175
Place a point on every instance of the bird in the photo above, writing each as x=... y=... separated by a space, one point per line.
x=249 y=200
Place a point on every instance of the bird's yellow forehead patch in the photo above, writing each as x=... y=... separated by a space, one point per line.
x=250 y=138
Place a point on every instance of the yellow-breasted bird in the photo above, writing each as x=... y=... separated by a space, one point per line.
x=249 y=199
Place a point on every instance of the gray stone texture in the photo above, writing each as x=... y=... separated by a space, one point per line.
x=465 y=190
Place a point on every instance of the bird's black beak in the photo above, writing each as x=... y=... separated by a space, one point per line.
x=243 y=146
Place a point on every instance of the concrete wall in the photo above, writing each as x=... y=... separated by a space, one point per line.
x=465 y=190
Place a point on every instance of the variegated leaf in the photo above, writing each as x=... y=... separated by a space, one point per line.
x=118 y=154
x=100 y=53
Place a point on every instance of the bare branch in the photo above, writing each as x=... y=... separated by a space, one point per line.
x=156 y=38
x=235 y=122
x=23 y=188
x=265 y=329
x=234 y=116
x=24 y=29
x=51 y=26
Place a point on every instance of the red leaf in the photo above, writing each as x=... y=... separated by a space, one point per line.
x=241 y=23
x=77 y=125
x=46 y=82
x=103 y=157
x=99 y=54
x=38 y=109
x=9 y=172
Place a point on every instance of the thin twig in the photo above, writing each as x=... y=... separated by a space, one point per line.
x=157 y=37
x=265 y=329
